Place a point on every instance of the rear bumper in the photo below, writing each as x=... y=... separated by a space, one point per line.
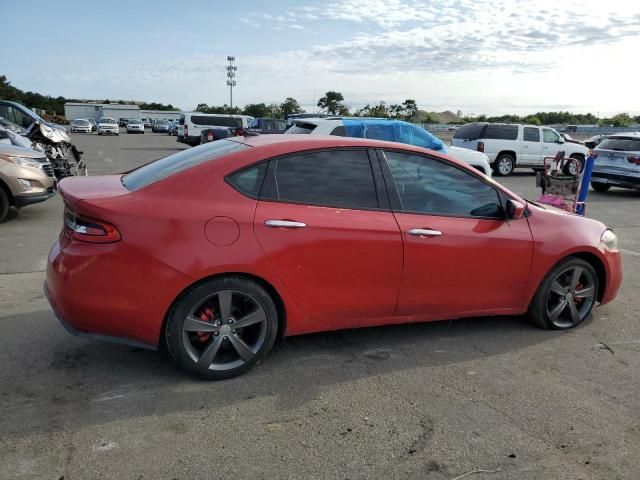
x=111 y=292
x=630 y=180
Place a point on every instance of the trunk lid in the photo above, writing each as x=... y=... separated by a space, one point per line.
x=75 y=189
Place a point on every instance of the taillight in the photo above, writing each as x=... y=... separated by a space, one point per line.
x=239 y=132
x=634 y=160
x=185 y=130
x=209 y=136
x=89 y=229
x=480 y=147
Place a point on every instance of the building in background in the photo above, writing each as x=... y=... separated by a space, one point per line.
x=160 y=114
x=73 y=110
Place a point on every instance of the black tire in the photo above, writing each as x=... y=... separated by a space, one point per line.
x=566 y=170
x=600 y=187
x=182 y=344
x=504 y=165
x=548 y=297
x=4 y=204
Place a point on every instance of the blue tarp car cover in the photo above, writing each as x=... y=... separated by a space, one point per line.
x=393 y=131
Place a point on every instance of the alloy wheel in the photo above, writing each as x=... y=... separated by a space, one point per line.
x=225 y=330
x=505 y=166
x=571 y=296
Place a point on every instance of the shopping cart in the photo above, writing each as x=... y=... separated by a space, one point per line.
x=559 y=186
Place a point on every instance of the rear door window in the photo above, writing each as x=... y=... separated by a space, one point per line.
x=621 y=144
x=331 y=178
x=470 y=131
x=502 y=132
x=531 y=134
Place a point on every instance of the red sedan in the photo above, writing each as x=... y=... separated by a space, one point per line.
x=220 y=249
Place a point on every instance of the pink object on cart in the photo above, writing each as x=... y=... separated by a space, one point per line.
x=559 y=187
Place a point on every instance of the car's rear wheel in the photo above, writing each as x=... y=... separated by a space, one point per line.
x=4 y=204
x=566 y=296
x=600 y=187
x=222 y=327
x=504 y=165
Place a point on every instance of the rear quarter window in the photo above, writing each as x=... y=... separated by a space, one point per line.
x=167 y=166
x=470 y=131
x=502 y=132
x=216 y=121
x=621 y=144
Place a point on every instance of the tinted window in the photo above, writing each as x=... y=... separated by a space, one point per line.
x=531 y=134
x=336 y=178
x=303 y=128
x=470 y=131
x=180 y=121
x=429 y=186
x=281 y=125
x=338 y=131
x=215 y=121
x=164 y=167
x=502 y=132
x=621 y=144
x=249 y=180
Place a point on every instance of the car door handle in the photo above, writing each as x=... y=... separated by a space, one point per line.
x=284 y=224
x=424 y=232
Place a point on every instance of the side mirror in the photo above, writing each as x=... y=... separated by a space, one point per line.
x=561 y=139
x=515 y=209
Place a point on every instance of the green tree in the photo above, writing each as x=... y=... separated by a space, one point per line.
x=256 y=110
x=332 y=103
x=289 y=107
x=410 y=109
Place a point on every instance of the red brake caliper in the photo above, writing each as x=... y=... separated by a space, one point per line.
x=579 y=287
x=207 y=315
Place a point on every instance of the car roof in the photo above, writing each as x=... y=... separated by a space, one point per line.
x=632 y=135
x=292 y=143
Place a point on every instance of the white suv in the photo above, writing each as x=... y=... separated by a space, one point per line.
x=335 y=126
x=511 y=146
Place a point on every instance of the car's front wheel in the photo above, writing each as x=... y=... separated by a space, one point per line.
x=222 y=327
x=566 y=295
x=574 y=166
x=504 y=165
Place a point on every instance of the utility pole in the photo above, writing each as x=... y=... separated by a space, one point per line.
x=231 y=77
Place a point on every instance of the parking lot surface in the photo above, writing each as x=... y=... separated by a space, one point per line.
x=431 y=401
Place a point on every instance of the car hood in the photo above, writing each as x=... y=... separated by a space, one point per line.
x=16 y=151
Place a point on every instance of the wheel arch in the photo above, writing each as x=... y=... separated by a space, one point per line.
x=598 y=266
x=508 y=152
x=6 y=189
x=271 y=290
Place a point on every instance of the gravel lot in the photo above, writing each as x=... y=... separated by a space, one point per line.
x=428 y=401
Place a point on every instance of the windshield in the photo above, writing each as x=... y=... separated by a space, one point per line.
x=165 y=167
x=107 y=120
x=81 y=122
x=470 y=131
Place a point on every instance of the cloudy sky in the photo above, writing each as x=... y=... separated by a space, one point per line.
x=495 y=56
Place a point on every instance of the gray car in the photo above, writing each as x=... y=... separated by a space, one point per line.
x=617 y=163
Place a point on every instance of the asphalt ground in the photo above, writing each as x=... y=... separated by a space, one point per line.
x=430 y=401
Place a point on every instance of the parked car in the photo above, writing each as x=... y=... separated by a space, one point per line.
x=382 y=129
x=81 y=125
x=218 y=133
x=23 y=116
x=160 y=126
x=258 y=237
x=12 y=126
x=300 y=116
x=268 y=125
x=173 y=128
x=511 y=146
x=108 y=125
x=618 y=162
x=94 y=124
x=594 y=141
x=122 y=122
x=26 y=177
x=147 y=122
x=135 y=126
x=192 y=124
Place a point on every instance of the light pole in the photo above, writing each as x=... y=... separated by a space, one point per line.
x=231 y=77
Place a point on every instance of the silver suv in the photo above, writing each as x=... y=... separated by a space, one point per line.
x=617 y=163
x=26 y=177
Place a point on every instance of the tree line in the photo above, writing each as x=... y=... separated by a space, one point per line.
x=332 y=103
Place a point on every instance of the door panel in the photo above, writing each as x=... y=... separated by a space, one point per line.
x=531 y=146
x=474 y=266
x=342 y=267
